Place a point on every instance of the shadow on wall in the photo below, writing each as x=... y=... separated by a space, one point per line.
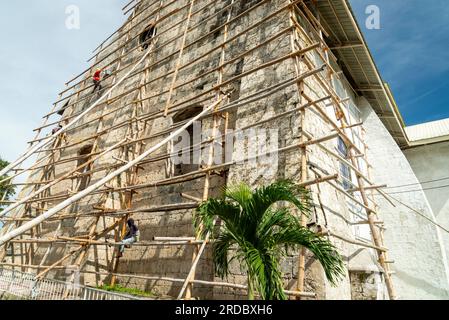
x=423 y=285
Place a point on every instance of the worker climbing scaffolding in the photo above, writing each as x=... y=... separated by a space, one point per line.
x=97 y=80
x=132 y=236
x=56 y=129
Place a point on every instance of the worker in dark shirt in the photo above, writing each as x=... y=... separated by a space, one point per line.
x=131 y=236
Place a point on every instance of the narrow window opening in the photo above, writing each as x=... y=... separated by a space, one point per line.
x=85 y=156
x=345 y=170
x=192 y=165
x=146 y=36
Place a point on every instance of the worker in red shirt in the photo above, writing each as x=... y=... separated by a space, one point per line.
x=97 y=79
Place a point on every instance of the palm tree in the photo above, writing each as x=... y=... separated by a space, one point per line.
x=258 y=233
x=6 y=189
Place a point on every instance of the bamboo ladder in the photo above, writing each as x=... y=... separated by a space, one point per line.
x=136 y=130
x=371 y=213
x=79 y=179
x=124 y=202
x=76 y=179
x=218 y=118
x=27 y=206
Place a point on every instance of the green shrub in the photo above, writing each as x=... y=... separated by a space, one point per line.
x=131 y=291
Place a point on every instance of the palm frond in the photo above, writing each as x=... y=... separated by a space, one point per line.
x=221 y=250
x=274 y=220
x=204 y=217
x=323 y=249
x=240 y=193
x=284 y=190
x=256 y=268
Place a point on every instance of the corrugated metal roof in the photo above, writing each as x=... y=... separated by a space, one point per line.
x=350 y=48
x=429 y=130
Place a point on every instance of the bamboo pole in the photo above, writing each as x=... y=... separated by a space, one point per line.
x=178 y=62
x=202 y=282
x=355 y=242
x=303 y=152
x=48 y=250
x=215 y=127
x=198 y=59
x=170 y=28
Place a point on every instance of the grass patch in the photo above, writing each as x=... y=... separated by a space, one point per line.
x=131 y=291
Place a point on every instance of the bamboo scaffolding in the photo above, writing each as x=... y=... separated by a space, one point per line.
x=223 y=26
x=198 y=173
x=135 y=48
x=178 y=62
x=87 y=166
x=216 y=122
x=100 y=183
x=72 y=253
x=189 y=30
x=259 y=95
x=54 y=182
x=138 y=148
x=41 y=144
x=159 y=114
x=201 y=282
x=131 y=166
x=101 y=45
x=303 y=151
x=7 y=228
x=205 y=74
x=371 y=214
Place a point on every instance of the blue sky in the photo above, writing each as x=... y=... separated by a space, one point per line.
x=39 y=54
x=411 y=50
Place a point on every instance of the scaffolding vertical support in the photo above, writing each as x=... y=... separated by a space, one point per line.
x=178 y=63
x=210 y=151
x=133 y=173
x=371 y=216
x=303 y=150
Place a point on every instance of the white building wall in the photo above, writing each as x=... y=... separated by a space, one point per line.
x=430 y=164
x=414 y=243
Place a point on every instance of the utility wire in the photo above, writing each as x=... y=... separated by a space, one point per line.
x=418 y=190
x=414 y=184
